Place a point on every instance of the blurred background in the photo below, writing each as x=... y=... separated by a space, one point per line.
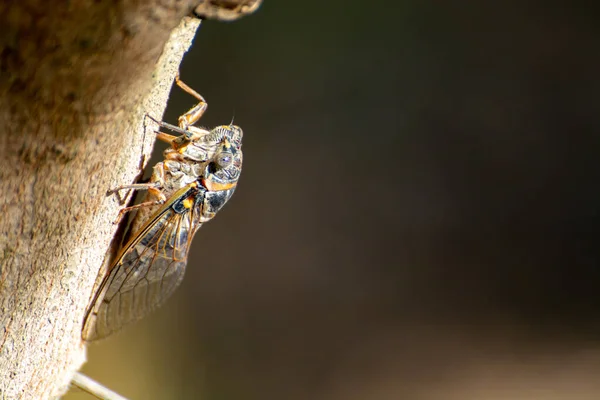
x=417 y=216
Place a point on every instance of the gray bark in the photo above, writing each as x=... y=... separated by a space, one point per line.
x=76 y=79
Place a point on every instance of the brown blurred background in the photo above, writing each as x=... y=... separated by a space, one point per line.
x=417 y=217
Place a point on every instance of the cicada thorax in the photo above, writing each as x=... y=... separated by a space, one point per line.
x=169 y=176
x=197 y=146
x=221 y=174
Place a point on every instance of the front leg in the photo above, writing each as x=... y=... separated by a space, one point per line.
x=188 y=134
x=194 y=113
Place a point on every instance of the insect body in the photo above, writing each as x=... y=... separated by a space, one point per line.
x=197 y=177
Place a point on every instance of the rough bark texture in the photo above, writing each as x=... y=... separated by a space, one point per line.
x=76 y=79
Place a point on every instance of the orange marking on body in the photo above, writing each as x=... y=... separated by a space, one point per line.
x=216 y=187
x=226 y=144
x=181 y=148
x=189 y=202
x=173 y=157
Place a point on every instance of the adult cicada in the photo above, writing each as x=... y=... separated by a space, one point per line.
x=198 y=175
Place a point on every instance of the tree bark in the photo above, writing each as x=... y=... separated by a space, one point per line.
x=76 y=80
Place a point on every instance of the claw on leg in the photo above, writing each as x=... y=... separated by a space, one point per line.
x=125 y=210
x=153 y=191
x=153 y=187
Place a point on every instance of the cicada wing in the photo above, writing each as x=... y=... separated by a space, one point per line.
x=145 y=274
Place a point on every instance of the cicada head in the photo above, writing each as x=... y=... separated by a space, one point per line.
x=222 y=171
x=224 y=168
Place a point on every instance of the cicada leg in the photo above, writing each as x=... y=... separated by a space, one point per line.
x=153 y=187
x=160 y=199
x=167 y=138
x=185 y=121
x=125 y=210
x=136 y=186
x=194 y=113
x=187 y=135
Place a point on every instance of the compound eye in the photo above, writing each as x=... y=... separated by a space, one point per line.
x=224 y=159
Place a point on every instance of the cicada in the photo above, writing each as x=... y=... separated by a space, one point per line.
x=197 y=177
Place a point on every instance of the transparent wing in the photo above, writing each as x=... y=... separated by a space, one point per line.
x=147 y=271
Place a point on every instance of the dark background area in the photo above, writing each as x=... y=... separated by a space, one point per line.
x=417 y=216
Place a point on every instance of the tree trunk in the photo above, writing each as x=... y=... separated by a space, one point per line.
x=76 y=80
